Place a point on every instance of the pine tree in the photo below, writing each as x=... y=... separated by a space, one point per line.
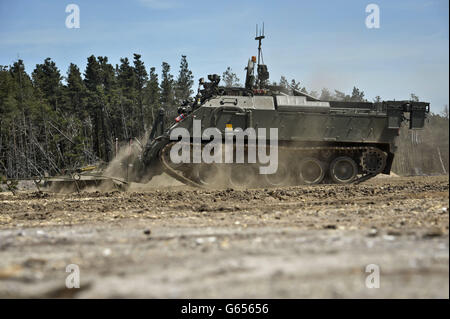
x=284 y=82
x=141 y=80
x=152 y=97
x=107 y=74
x=75 y=90
x=183 y=86
x=357 y=95
x=74 y=120
x=92 y=80
x=126 y=78
x=167 y=89
x=230 y=78
x=92 y=76
x=47 y=78
x=107 y=97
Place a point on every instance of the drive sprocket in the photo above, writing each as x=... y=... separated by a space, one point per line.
x=373 y=160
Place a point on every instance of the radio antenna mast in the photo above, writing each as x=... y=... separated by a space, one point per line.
x=259 y=36
x=263 y=73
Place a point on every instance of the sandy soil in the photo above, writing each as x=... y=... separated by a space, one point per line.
x=175 y=241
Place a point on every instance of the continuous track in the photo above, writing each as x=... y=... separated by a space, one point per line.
x=319 y=152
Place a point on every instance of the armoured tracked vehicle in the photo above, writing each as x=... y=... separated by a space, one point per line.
x=318 y=141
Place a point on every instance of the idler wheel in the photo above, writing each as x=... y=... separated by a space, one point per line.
x=280 y=177
x=311 y=171
x=343 y=170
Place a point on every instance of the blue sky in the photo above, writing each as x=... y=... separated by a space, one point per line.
x=319 y=43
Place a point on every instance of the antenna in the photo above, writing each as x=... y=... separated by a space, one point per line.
x=259 y=36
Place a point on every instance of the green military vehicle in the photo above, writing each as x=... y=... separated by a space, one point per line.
x=317 y=141
x=262 y=135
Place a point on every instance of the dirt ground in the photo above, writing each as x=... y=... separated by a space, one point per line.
x=180 y=242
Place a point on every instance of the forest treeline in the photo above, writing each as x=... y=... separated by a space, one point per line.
x=50 y=122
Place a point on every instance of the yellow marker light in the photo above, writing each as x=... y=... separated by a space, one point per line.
x=230 y=126
x=253 y=59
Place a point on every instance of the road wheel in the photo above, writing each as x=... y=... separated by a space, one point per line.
x=242 y=175
x=280 y=177
x=207 y=174
x=311 y=171
x=343 y=170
